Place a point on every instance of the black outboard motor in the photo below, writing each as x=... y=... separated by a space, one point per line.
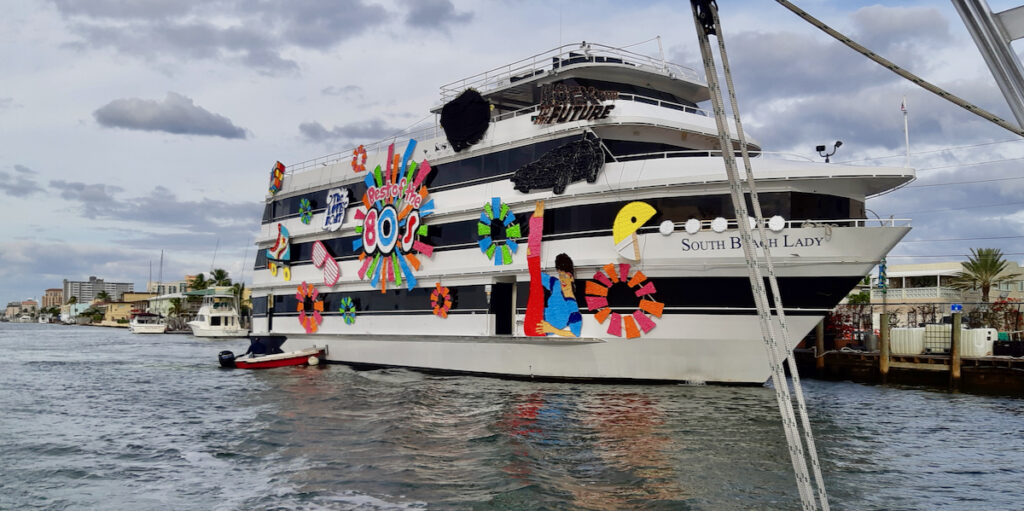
x=227 y=359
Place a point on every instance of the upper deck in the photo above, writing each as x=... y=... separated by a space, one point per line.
x=518 y=84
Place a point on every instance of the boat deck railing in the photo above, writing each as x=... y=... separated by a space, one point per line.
x=564 y=55
x=732 y=224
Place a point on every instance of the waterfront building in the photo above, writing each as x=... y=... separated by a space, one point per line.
x=70 y=311
x=86 y=291
x=116 y=313
x=924 y=293
x=164 y=288
x=53 y=297
x=12 y=310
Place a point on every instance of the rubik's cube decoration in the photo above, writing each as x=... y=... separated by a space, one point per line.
x=276 y=178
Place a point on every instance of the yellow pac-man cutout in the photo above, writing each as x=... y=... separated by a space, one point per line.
x=631 y=217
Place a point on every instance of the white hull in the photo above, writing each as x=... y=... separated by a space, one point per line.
x=201 y=331
x=148 y=329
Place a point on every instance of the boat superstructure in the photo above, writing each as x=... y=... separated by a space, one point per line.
x=218 y=315
x=147 y=323
x=568 y=216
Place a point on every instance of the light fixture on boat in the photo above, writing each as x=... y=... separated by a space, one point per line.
x=821 y=150
x=776 y=223
x=719 y=224
x=666 y=227
x=693 y=226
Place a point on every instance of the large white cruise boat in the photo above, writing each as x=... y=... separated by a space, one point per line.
x=567 y=217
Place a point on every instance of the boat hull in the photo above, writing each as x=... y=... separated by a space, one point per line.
x=200 y=331
x=280 y=360
x=148 y=329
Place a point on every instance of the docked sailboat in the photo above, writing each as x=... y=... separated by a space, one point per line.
x=218 y=315
x=567 y=217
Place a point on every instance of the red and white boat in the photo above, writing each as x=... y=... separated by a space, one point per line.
x=265 y=353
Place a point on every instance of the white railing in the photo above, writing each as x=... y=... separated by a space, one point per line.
x=565 y=55
x=919 y=293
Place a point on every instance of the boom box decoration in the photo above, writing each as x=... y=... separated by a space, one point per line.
x=391 y=221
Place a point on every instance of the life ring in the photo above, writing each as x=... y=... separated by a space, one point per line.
x=637 y=321
x=305 y=211
x=497 y=210
x=312 y=320
x=441 y=300
x=347 y=310
x=359 y=159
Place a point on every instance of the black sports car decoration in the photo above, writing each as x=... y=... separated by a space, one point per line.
x=569 y=163
x=465 y=119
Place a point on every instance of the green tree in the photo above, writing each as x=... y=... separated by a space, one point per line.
x=219 y=277
x=238 y=289
x=177 y=308
x=72 y=300
x=199 y=282
x=861 y=298
x=983 y=270
x=103 y=296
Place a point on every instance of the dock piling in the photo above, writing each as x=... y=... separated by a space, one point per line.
x=819 y=348
x=954 y=352
x=883 y=348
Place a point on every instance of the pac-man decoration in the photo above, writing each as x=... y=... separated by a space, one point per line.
x=308 y=299
x=500 y=249
x=359 y=159
x=628 y=221
x=395 y=204
x=280 y=254
x=305 y=211
x=441 y=300
x=347 y=310
x=619 y=275
x=276 y=178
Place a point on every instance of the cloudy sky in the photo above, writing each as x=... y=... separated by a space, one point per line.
x=131 y=127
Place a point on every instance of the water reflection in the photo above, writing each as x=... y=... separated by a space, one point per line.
x=620 y=450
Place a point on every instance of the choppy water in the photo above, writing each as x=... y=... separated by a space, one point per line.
x=95 y=418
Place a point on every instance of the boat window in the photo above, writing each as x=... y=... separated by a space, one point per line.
x=597 y=219
x=259 y=305
x=622 y=149
x=214 y=320
x=465 y=299
x=627 y=88
x=201 y=317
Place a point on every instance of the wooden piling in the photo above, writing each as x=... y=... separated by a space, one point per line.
x=883 y=348
x=954 y=352
x=819 y=348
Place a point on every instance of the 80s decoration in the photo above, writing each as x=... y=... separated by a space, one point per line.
x=359 y=159
x=441 y=300
x=309 y=301
x=535 y=300
x=322 y=259
x=561 y=312
x=497 y=217
x=276 y=178
x=334 y=214
x=568 y=163
x=465 y=119
x=347 y=310
x=305 y=211
x=280 y=254
x=395 y=204
x=628 y=221
x=617 y=279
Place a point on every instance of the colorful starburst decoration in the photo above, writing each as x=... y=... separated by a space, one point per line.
x=441 y=300
x=597 y=299
x=391 y=221
x=305 y=211
x=496 y=210
x=347 y=310
x=312 y=320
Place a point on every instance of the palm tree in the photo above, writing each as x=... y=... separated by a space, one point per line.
x=103 y=296
x=72 y=300
x=199 y=282
x=238 y=289
x=983 y=270
x=219 y=277
x=177 y=309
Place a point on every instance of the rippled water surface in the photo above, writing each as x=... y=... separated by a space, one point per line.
x=96 y=418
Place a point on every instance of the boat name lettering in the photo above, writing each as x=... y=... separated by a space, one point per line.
x=734 y=243
x=562 y=103
x=391 y=190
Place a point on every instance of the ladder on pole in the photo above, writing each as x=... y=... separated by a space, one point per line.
x=707 y=23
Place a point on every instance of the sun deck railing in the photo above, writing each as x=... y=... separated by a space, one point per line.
x=564 y=55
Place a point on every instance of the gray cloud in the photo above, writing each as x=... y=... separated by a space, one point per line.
x=19 y=184
x=6 y=103
x=176 y=114
x=342 y=91
x=437 y=15
x=374 y=129
x=176 y=30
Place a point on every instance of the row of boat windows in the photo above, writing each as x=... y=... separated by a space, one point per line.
x=673 y=292
x=628 y=88
x=484 y=168
x=216 y=320
x=597 y=219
